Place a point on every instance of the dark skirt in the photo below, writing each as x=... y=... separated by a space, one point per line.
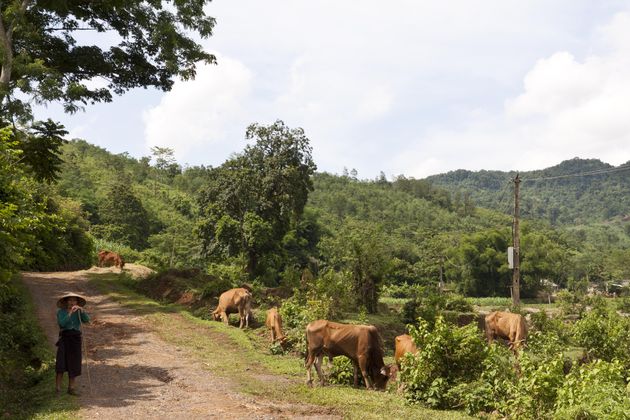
x=69 y=353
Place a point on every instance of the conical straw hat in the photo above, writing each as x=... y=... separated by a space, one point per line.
x=62 y=304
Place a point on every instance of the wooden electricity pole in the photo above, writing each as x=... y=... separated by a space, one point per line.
x=516 y=275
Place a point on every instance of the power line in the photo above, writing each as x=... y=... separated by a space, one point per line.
x=595 y=172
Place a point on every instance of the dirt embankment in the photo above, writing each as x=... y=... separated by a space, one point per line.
x=135 y=374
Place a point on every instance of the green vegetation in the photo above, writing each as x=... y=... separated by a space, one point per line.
x=27 y=363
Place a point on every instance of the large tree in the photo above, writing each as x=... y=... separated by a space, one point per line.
x=255 y=198
x=46 y=55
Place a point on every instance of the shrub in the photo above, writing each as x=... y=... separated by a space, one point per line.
x=593 y=391
x=571 y=303
x=534 y=394
x=605 y=335
x=342 y=372
x=623 y=304
x=450 y=356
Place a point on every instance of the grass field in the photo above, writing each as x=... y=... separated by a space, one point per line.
x=244 y=358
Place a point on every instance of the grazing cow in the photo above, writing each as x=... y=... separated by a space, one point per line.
x=231 y=302
x=404 y=344
x=107 y=258
x=274 y=323
x=360 y=343
x=506 y=325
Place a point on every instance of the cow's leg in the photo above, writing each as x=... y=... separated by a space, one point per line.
x=225 y=318
x=273 y=335
x=356 y=374
x=310 y=358
x=318 y=368
x=363 y=367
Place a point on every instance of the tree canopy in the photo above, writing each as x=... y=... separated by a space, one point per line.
x=54 y=50
x=255 y=198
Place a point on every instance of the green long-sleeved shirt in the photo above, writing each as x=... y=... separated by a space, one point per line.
x=69 y=321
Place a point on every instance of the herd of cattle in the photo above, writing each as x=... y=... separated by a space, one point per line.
x=362 y=344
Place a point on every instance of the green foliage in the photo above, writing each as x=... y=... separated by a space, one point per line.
x=605 y=335
x=569 y=200
x=298 y=311
x=342 y=372
x=595 y=390
x=535 y=392
x=125 y=218
x=43 y=61
x=449 y=357
x=254 y=199
x=484 y=269
x=26 y=362
x=42 y=150
x=571 y=303
x=623 y=304
x=428 y=303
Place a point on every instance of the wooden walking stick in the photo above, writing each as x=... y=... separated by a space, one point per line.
x=87 y=365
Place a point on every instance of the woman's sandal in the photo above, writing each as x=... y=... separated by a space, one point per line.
x=74 y=392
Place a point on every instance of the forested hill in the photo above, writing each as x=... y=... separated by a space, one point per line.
x=559 y=194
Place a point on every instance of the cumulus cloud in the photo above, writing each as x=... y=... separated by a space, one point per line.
x=196 y=116
x=568 y=107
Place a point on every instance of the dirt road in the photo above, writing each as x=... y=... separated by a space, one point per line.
x=134 y=374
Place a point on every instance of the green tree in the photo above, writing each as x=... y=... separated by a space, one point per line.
x=363 y=250
x=255 y=198
x=480 y=264
x=124 y=217
x=41 y=58
x=42 y=150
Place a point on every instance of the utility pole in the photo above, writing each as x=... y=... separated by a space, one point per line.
x=516 y=275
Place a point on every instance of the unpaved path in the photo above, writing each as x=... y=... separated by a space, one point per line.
x=135 y=374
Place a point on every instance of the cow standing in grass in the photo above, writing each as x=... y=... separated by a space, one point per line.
x=506 y=325
x=360 y=343
x=403 y=344
x=234 y=301
x=274 y=324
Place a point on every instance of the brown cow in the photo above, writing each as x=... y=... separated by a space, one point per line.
x=404 y=344
x=360 y=343
x=234 y=301
x=506 y=325
x=110 y=258
x=274 y=323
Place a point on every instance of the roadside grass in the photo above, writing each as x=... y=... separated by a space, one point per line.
x=35 y=397
x=244 y=359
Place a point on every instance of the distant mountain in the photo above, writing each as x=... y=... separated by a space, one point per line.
x=576 y=191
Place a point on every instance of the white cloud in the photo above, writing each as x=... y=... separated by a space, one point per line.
x=568 y=108
x=196 y=116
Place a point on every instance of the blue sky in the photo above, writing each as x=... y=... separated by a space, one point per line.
x=403 y=87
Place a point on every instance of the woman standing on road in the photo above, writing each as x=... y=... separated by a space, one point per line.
x=69 y=344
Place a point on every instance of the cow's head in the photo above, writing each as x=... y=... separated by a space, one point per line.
x=380 y=379
x=216 y=316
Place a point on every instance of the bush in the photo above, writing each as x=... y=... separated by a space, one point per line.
x=623 y=304
x=342 y=372
x=534 y=394
x=605 y=335
x=450 y=356
x=572 y=304
x=594 y=391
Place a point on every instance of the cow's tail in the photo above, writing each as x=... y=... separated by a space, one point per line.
x=306 y=352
